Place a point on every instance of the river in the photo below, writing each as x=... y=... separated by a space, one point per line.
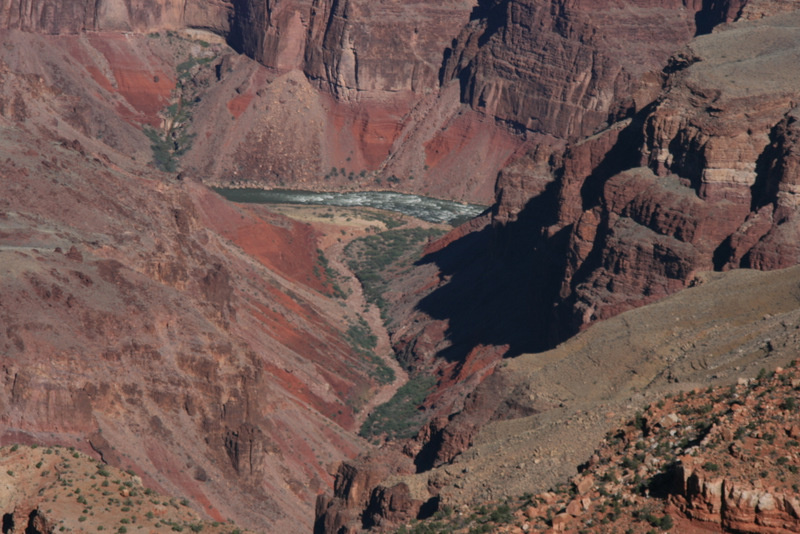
x=425 y=208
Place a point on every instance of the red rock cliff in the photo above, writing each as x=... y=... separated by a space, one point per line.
x=74 y=16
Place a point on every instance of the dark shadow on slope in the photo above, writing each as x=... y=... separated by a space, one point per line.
x=713 y=13
x=34 y=522
x=765 y=188
x=623 y=155
x=722 y=254
x=247 y=34
x=502 y=282
x=487 y=18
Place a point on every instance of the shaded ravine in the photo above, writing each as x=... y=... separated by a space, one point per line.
x=372 y=315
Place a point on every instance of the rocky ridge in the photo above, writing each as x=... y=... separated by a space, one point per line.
x=690 y=173
x=427 y=118
x=722 y=459
x=699 y=179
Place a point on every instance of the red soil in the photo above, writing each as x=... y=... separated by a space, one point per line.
x=238 y=105
x=145 y=88
x=276 y=242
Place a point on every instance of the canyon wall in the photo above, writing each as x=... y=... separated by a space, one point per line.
x=75 y=16
x=698 y=175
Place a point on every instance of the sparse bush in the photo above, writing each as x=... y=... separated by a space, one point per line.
x=377 y=258
x=711 y=467
x=399 y=417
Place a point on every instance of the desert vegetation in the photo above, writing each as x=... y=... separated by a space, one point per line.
x=361 y=338
x=401 y=417
x=173 y=139
x=72 y=492
x=659 y=471
x=376 y=258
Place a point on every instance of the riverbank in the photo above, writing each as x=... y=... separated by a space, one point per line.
x=428 y=209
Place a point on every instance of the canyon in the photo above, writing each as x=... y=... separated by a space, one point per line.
x=639 y=158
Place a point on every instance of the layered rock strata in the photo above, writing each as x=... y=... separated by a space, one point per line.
x=75 y=16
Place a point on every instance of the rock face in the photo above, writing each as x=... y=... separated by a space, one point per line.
x=74 y=16
x=715 y=459
x=736 y=506
x=562 y=68
x=715 y=156
x=632 y=173
x=381 y=64
x=537 y=417
x=692 y=182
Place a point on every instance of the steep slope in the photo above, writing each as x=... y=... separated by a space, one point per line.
x=712 y=166
x=532 y=421
x=206 y=318
x=566 y=68
x=719 y=459
x=150 y=323
x=403 y=95
x=700 y=179
x=76 y=16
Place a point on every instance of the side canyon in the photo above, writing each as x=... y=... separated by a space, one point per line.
x=630 y=150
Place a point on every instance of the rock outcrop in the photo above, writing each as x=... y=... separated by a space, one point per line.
x=734 y=505
x=640 y=172
x=714 y=156
x=713 y=459
x=537 y=417
x=698 y=180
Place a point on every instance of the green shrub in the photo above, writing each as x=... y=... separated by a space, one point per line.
x=375 y=259
x=399 y=417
